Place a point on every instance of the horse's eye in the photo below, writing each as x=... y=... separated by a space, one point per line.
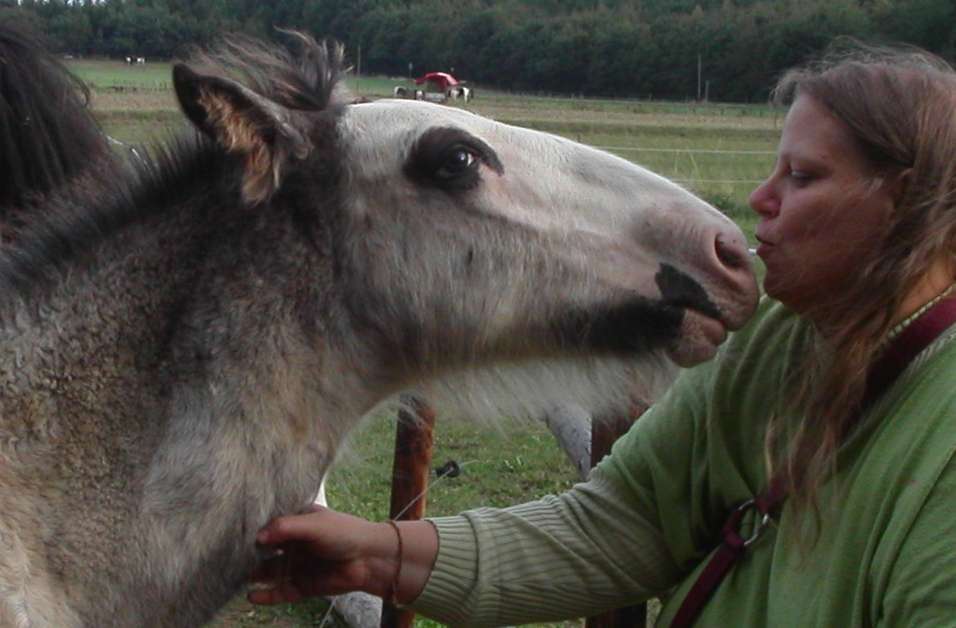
x=450 y=159
x=459 y=160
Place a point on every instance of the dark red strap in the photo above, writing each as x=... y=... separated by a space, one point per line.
x=905 y=347
x=730 y=550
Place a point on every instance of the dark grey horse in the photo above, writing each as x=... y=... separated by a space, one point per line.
x=183 y=350
x=48 y=136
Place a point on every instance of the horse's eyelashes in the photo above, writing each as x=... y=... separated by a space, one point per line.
x=449 y=158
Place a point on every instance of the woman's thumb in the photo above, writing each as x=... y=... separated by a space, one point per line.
x=289 y=528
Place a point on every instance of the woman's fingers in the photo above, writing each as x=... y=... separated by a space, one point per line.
x=283 y=583
x=292 y=528
x=316 y=553
x=271 y=570
x=279 y=593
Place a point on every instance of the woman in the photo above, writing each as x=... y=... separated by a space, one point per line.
x=858 y=232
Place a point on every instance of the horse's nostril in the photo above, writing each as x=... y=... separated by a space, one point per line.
x=731 y=254
x=680 y=290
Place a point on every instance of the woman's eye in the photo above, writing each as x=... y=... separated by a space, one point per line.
x=800 y=176
x=458 y=160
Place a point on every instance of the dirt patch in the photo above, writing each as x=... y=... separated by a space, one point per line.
x=239 y=612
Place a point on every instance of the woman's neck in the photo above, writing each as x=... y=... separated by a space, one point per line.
x=937 y=282
x=940 y=279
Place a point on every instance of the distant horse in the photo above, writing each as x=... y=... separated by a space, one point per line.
x=182 y=350
x=47 y=134
x=460 y=91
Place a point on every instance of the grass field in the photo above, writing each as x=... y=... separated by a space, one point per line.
x=719 y=151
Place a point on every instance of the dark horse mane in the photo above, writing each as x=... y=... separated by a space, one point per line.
x=47 y=132
x=185 y=166
x=306 y=79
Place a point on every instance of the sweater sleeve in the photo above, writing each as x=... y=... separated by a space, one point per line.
x=598 y=546
x=560 y=557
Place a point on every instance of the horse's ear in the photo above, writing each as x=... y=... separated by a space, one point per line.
x=243 y=123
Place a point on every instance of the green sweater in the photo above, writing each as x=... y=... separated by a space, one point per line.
x=651 y=512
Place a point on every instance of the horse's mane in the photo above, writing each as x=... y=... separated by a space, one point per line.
x=85 y=213
x=308 y=79
x=47 y=132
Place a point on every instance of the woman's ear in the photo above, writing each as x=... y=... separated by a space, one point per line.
x=898 y=185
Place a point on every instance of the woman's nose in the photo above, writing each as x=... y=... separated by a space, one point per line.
x=763 y=200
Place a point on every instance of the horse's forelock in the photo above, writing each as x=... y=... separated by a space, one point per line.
x=309 y=79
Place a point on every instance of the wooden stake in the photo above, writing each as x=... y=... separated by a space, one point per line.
x=410 y=472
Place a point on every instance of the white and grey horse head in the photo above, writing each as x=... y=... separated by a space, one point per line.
x=511 y=247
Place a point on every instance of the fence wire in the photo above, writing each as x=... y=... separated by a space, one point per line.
x=715 y=151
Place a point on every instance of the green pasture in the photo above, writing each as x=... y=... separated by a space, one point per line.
x=719 y=151
x=116 y=75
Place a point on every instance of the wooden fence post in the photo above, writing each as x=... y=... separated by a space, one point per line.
x=603 y=434
x=412 y=467
x=410 y=472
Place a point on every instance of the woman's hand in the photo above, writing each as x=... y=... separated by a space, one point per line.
x=324 y=552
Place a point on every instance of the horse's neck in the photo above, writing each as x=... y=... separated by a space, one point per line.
x=176 y=377
x=74 y=347
x=255 y=415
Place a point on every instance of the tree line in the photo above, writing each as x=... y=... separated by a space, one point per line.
x=727 y=50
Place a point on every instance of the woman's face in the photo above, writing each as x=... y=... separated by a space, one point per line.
x=819 y=209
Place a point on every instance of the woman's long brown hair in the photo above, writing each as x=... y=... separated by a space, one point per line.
x=900 y=107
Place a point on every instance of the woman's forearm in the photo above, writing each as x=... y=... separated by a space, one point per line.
x=419 y=548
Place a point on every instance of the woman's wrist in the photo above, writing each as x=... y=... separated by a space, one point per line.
x=399 y=577
x=391 y=596
x=419 y=551
x=383 y=560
